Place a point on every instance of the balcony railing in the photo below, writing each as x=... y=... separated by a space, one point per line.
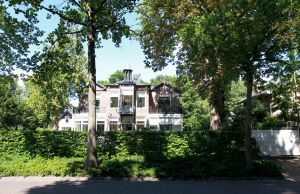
x=126 y=110
x=85 y=110
x=165 y=110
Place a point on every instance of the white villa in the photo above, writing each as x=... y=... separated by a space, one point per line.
x=128 y=105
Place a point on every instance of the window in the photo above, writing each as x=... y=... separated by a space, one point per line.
x=84 y=126
x=113 y=125
x=66 y=128
x=100 y=125
x=97 y=105
x=165 y=127
x=164 y=104
x=141 y=102
x=127 y=101
x=113 y=102
x=77 y=126
x=67 y=119
x=140 y=125
x=127 y=127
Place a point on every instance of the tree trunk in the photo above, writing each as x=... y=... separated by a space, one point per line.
x=248 y=119
x=91 y=159
x=217 y=113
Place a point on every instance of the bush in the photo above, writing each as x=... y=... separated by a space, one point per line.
x=22 y=165
x=194 y=154
x=43 y=143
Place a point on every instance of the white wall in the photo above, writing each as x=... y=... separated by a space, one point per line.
x=282 y=142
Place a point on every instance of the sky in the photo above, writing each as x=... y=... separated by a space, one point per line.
x=110 y=58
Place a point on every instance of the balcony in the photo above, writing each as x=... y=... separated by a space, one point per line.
x=126 y=110
x=165 y=110
x=86 y=110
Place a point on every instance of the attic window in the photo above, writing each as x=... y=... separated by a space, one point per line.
x=67 y=119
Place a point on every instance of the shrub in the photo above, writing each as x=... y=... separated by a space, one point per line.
x=194 y=154
x=43 y=143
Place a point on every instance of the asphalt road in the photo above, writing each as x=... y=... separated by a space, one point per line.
x=57 y=185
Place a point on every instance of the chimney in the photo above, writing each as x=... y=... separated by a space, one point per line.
x=127 y=73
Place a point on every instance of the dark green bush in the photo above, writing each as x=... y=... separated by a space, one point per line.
x=43 y=143
x=194 y=154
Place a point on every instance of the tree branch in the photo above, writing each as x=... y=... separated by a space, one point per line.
x=64 y=17
x=100 y=7
x=73 y=32
x=76 y=3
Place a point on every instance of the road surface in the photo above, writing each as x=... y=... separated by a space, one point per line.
x=57 y=185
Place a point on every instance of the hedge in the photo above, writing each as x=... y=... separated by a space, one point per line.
x=43 y=143
x=126 y=154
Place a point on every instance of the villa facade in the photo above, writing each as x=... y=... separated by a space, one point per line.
x=128 y=105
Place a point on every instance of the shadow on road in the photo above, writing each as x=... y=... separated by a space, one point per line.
x=168 y=187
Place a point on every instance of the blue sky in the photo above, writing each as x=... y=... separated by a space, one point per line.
x=110 y=58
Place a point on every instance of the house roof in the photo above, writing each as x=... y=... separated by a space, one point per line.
x=66 y=111
x=165 y=84
x=258 y=95
x=100 y=87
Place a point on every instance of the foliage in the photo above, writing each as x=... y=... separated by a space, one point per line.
x=164 y=79
x=117 y=76
x=16 y=35
x=60 y=76
x=13 y=112
x=196 y=154
x=9 y=109
x=195 y=109
x=46 y=144
x=216 y=38
x=91 y=21
x=284 y=85
x=22 y=165
x=235 y=95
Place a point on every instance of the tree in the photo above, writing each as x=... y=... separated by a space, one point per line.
x=9 y=100
x=170 y=27
x=195 y=108
x=16 y=35
x=91 y=21
x=60 y=75
x=284 y=85
x=172 y=80
x=244 y=37
x=117 y=76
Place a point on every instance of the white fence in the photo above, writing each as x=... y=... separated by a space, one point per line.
x=283 y=142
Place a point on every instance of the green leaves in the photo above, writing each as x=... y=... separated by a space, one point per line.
x=16 y=36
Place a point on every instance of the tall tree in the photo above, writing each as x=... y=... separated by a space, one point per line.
x=60 y=75
x=245 y=37
x=91 y=21
x=170 y=27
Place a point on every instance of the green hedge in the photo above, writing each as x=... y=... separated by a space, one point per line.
x=43 y=143
x=126 y=154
